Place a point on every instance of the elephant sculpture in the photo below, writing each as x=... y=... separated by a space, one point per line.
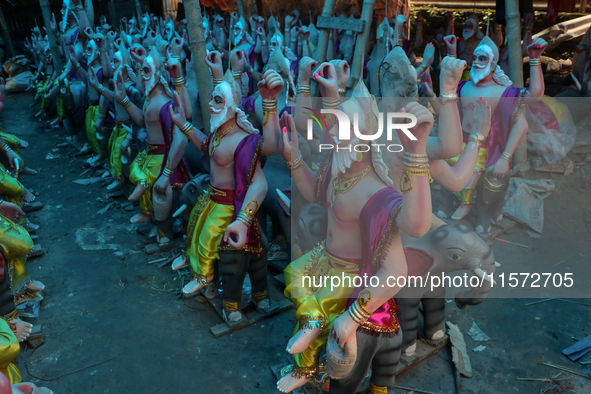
x=444 y=250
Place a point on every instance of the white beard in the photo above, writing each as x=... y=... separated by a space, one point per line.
x=342 y=159
x=238 y=38
x=218 y=119
x=478 y=74
x=149 y=84
x=467 y=34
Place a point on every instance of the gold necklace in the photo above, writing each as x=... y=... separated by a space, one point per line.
x=150 y=97
x=217 y=139
x=342 y=187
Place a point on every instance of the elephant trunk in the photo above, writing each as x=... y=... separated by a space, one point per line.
x=478 y=293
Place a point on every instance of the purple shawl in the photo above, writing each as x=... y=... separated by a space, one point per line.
x=501 y=121
x=246 y=157
x=181 y=173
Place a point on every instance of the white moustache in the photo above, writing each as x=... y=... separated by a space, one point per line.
x=216 y=111
x=480 y=66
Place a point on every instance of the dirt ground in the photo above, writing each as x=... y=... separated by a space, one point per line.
x=109 y=302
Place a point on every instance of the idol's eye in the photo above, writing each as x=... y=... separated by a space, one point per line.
x=146 y=70
x=454 y=257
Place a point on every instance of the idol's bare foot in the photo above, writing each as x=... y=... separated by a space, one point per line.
x=195 y=285
x=461 y=212
x=141 y=217
x=35 y=286
x=55 y=122
x=116 y=183
x=40 y=113
x=22 y=143
x=30 y=226
x=288 y=383
x=28 y=196
x=22 y=329
x=137 y=192
x=302 y=340
x=179 y=263
x=95 y=160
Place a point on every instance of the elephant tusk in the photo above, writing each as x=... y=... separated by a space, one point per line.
x=577 y=82
x=483 y=275
x=497 y=264
x=180 y=210
x=284 y=198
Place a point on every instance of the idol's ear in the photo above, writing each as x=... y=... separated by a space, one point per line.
x=418 y=261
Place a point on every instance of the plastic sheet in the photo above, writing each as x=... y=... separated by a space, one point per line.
x=19 y=83
x=551 y=130
x=524 y=201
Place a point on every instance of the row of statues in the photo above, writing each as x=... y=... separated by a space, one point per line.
x=129 y=97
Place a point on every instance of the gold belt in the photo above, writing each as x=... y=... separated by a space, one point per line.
x=340 y=264
x=212 y=191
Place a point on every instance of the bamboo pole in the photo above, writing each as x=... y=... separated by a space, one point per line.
x=360 y=46
x=138 y=10
x=6 y=35
x=198 y=53
x=241 y=10
x=55 y=53
x=515 y=65
x=89 y=12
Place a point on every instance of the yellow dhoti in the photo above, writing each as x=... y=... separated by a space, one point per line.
x=9 y=349
x=16 y=243
x=466 y=74
x=467 y=194
x=207 y=224
x=145 y=170
x=317 y=304
x=14 y=143
x=10 y=188
x=117 y=138
x=91 y=117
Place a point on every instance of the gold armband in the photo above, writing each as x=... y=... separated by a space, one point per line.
x=506 y=156
x=414 y=164
x=217 y=81
x=294 y=165
x=478 y=138
x=535 y=62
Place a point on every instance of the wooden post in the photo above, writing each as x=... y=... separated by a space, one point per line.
x=324 y=33
x=55 y=53
x=583 y=6
x=515 y=65
x=198 y=53
x=362 y=40
x=6 y=36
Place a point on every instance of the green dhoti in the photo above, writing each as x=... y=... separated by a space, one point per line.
x=145 y=170
x=62 y=111
x=115 y=141
x=91 y=117
x=207 y=224
x=41 y=89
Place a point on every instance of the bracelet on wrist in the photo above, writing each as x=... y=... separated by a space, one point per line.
x=507 y=156
x=187 y=129
x=6 y=148
x=168 y=172
x=331 y=103
x=448 y=98
x=304 y=89
x=535 y=62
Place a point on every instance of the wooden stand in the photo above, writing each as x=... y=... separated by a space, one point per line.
x=250 y=315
